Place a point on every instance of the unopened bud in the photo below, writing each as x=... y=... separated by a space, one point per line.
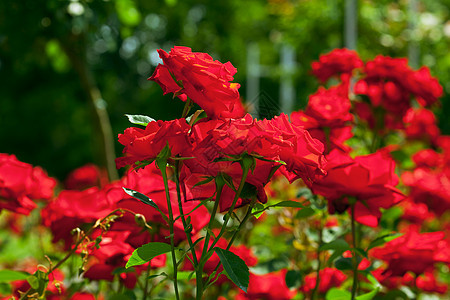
x=140 y=220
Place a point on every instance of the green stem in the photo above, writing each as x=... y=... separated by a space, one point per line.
x=230 y=243
x=187 y=108
x=354 y=255
x=146 y=281
x=180 y=208
x=162 y=163
x=246 y=217
x=316 y=287
x=199 y=270
x=245 y=169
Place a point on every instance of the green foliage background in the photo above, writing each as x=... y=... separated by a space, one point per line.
x=53 y=52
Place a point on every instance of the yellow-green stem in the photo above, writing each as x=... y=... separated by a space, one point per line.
x=316 y=287
x=354 y=255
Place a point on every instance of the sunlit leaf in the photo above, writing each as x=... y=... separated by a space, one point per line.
x=10 y=275
x=139 y=119
x=369 y=295
x=383 y=240
x=146 y=253
x=337 y=294
x=141 y=197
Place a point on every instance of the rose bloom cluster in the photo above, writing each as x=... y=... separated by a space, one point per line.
x=312 y=149
x=387 y=84
x=21 y=184
x=225 y=133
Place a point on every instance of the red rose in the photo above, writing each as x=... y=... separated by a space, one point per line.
x=82 y=296
x=165 y=80
x=204 y=80
x=370 y=179
x=415 y=252
x=74 y=208
x=335 y=137
x=424 y=86
x=273 y=140
x=302 y=154
x=416 y=213
x=392 y=282
x=428 y=283
x=85 y=177
x=20 y=183
x=387 y=94
x=113 y=253
x=330 y=107
x=430 y=187
x=146 y=144
x=338 y=61
x=390 y=83
x=329 y=278
x=427 y=158
x=271 y=286
x=421 y=124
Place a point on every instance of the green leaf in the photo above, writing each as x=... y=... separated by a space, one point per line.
x=139 y=119
x=121 y=270
x=288 y=204
x=141 y=197
x=126 y=295
x=207 y=180
x=10 y=275
x=373 y=280
x=383 y=240
x=235 y=268
x=338 y=244
x=5 y=289
x=157 y=275
x=336 y=254
x=258 y=210
x=305 y=213
x=344 y=263
x=337 y=294
x=293 y=279
x=361 y=252
x=186 y=275
x=33 y=281
x=146 y=253
x=369 y=295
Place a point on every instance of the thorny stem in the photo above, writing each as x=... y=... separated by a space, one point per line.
x=199 y=268
x=162 y=163
x=187 y=108
x=198 y=271
x=183 y=219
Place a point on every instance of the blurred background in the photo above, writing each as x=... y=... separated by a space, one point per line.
x=70 y=70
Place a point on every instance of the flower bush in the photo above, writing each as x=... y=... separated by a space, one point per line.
x=348 y=199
